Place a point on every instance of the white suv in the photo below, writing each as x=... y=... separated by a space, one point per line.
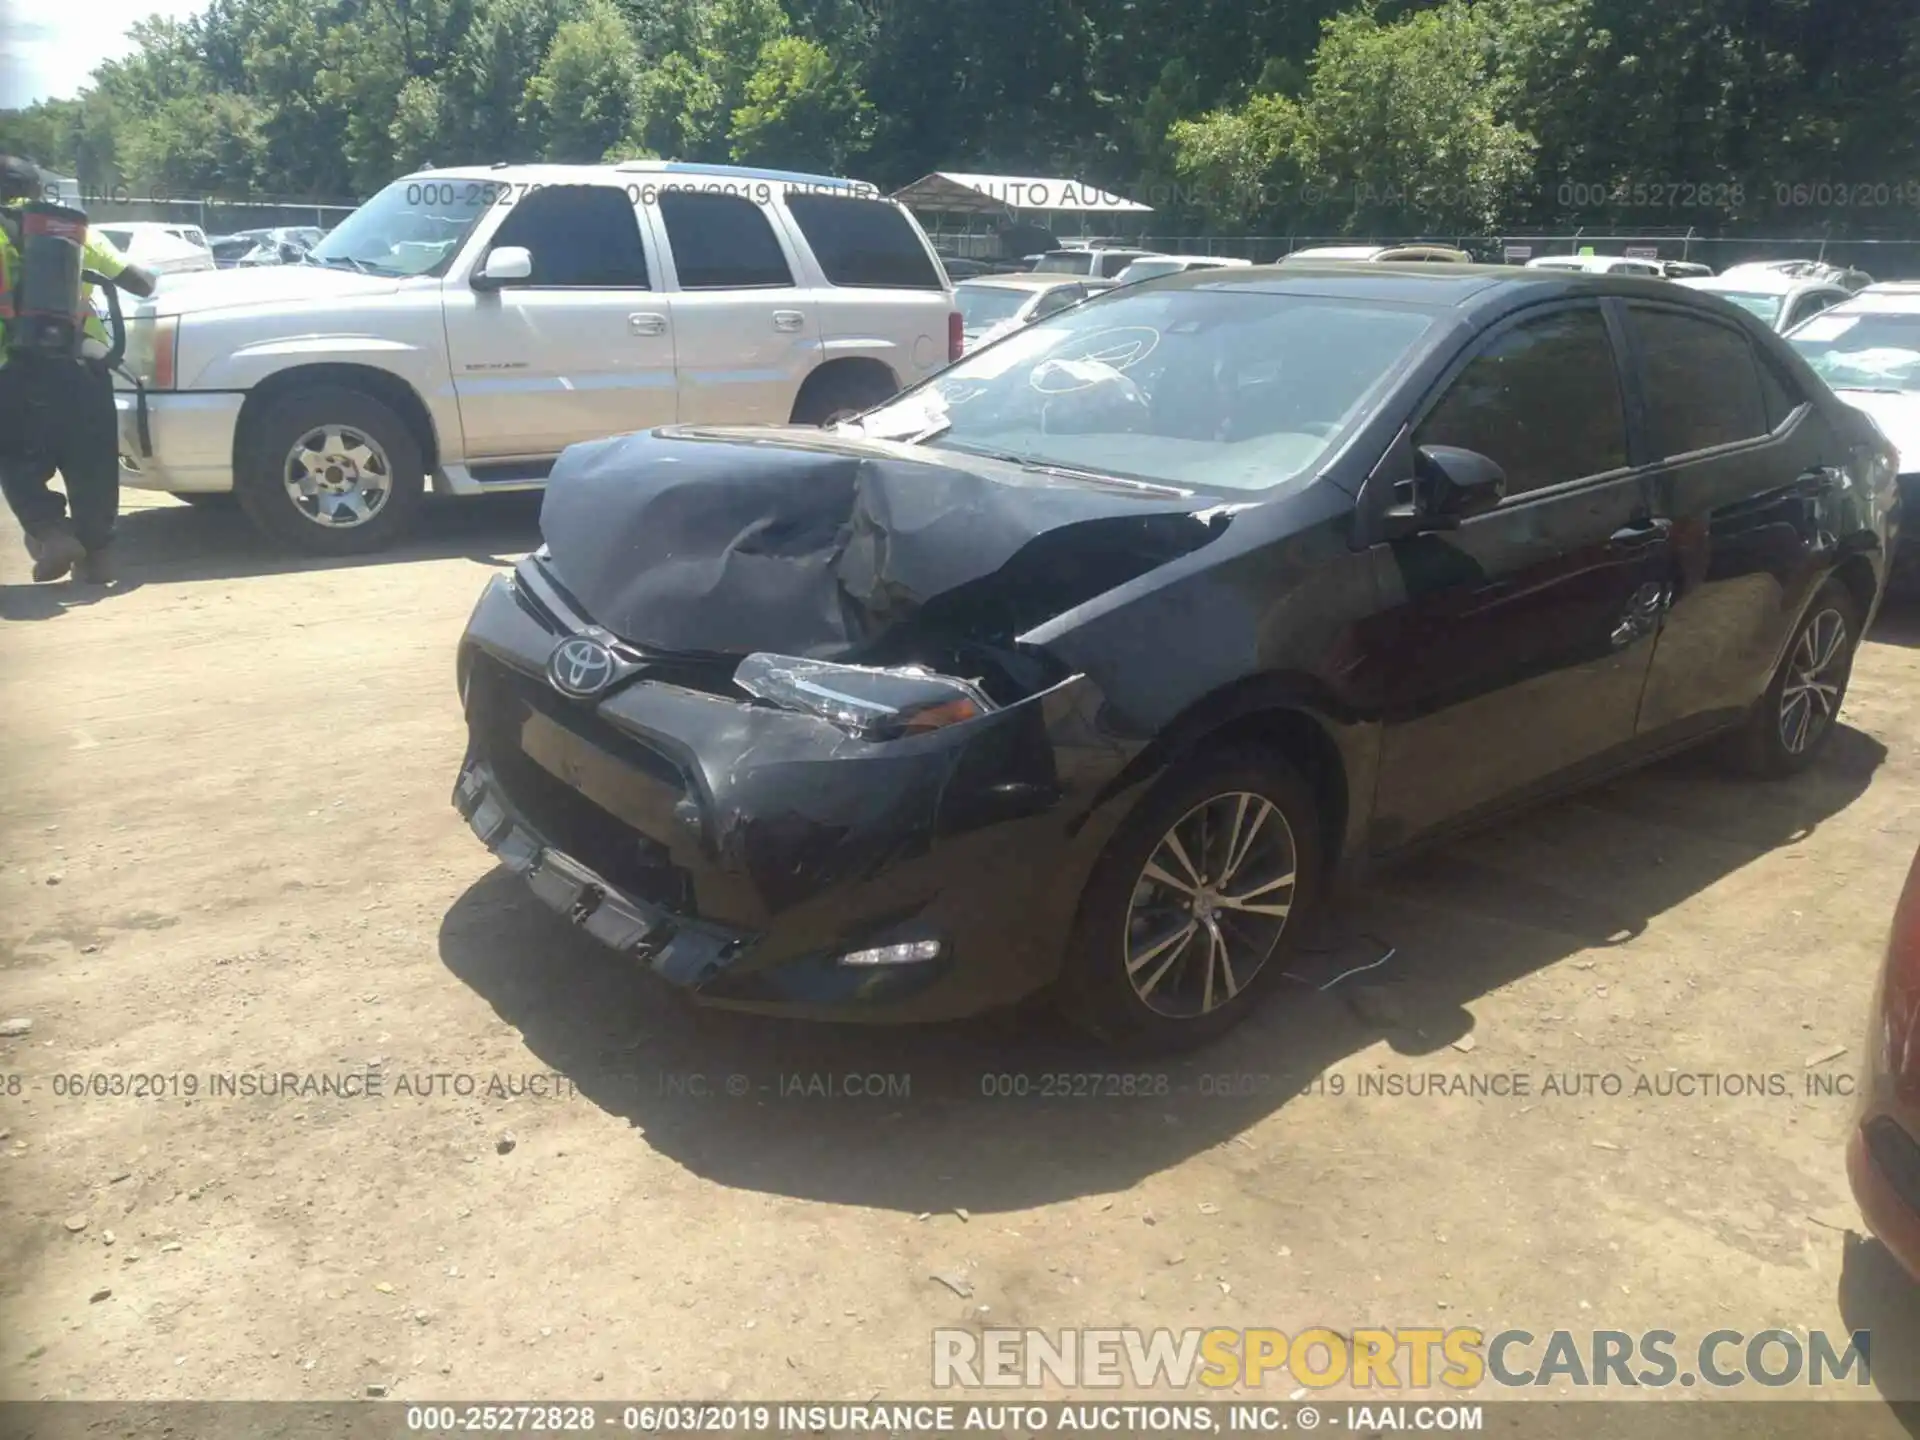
x=471 y=324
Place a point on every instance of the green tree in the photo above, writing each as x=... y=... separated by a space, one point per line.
x=801 y=110
x=583 y=100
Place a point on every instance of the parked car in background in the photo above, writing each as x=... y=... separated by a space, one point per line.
x=161 y=249
x=1154 y=617
x=1683 y=269
x=1383 y=254
x=1867 y=348
x=1154 y=266
x=439 y=331
x=1098 y=262
x=1599 y=265
x=992 y=306
x=1883 y=1150
x=1779 y=298
x=284 y=246
x=1845 y=277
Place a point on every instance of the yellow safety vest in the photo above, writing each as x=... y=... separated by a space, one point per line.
x=101 y=258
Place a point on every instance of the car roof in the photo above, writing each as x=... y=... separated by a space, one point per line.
x=1027 y=280
x=1200 y=259
x=1474 y=288
x=1759 y=282
x=1887 y=298
x=668 y=171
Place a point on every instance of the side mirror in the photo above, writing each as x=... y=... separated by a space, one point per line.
x=503 y=267
x=1448 y=485
x=1456 y=483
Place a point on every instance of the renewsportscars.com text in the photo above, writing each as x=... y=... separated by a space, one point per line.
x=1459 y=1358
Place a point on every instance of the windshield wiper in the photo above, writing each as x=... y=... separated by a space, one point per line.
x=333 y=262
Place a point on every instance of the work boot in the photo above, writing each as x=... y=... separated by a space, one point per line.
x=55 y=550
x=95 y=567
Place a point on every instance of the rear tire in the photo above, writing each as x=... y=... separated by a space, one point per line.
x=1796 y=717
x=354 y=463
x=826 y=399
x=1176 y=939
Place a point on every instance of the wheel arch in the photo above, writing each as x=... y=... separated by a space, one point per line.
x=1857 y=575
x=1285 y=716
x=847 y=369
x=382 y=385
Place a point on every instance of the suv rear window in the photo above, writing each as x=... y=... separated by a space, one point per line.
x=867 y=244
x=721 y=242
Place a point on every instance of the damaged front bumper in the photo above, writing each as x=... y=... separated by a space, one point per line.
x=765 y=859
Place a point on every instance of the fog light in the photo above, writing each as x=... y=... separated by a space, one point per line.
x=906 y=953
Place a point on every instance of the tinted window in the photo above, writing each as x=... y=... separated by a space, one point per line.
x=721 y=242
x=865 y=243
x=580 y=237
x=1542 y=400
x=1702 y=385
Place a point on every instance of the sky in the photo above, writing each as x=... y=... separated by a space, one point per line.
x=48 y=48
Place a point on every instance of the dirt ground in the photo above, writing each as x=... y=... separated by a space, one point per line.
x=226 y=848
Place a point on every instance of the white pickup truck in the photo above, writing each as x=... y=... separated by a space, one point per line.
x=468 y=325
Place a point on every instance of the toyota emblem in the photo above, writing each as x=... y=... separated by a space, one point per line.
x=580 y=667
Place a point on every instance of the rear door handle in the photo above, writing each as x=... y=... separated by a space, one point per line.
x=1641 y=533
x=647 y=324
x=787 y=321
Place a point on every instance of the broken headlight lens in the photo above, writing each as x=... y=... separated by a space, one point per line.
x=874 y=704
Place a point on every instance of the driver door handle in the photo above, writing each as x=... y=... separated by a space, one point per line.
x=1641 y=533
x=647 y=324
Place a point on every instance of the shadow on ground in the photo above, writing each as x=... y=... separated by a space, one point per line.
x=167 y=544
x=1877 y=1296
x=942 y=1132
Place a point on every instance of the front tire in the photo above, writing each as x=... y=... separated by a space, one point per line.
x=331 y=471
x=1193 y=910
x=1793 y=722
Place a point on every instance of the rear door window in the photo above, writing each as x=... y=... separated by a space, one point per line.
x=721 y=242
x=1701 y=381
x=1542 y=400
x=864 y=244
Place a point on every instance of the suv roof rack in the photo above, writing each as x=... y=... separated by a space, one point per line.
x=744 y=172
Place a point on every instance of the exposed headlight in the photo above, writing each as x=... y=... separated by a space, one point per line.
x=873 y=704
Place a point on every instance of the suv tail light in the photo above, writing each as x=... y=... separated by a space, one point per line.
x=956 y=336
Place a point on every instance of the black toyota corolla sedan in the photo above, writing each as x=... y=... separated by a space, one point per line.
x=1087 y=664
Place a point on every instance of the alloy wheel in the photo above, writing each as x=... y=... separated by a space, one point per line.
x=1210 y=905
x=1815 y=675
x=338 y=477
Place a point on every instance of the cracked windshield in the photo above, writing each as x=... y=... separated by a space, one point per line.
x=822 y=718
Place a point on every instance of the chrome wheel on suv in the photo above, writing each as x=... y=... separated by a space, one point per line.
x=338 y=476
x=330 y=470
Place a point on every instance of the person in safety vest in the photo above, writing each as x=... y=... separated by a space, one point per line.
x=56 y=402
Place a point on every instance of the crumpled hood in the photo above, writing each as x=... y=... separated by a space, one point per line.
x=202 y=290
x=1898 y=415
x=731 y=540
